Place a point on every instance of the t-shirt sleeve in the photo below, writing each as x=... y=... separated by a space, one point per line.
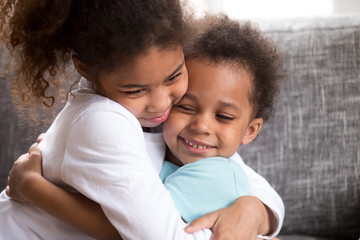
x=206 y=185
x=167 y=169
x=106 y=160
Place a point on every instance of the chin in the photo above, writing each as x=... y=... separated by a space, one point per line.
x=188 y=160
x=148 y=124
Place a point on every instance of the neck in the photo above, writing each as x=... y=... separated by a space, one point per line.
x=152 y=129
x=171 y=158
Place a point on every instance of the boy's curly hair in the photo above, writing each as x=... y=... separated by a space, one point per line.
x=42 y=35
x=240 y=44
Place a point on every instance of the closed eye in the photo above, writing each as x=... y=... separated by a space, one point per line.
x=185 y=108
x=225 y=117
x=135 y=93
x=174 y=77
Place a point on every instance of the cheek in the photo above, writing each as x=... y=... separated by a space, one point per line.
x=179 y=89
x=172 y=128
x=169 y=135
x=231 y=140
x=135 y=106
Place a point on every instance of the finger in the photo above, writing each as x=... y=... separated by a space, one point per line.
x=7 y=191
x=22 y=158
x=206 y=221
x=14 y=196
x=40 y=137
x=223 y=232
x=34 y=151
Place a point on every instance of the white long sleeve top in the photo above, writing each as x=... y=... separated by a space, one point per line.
x=97 y=147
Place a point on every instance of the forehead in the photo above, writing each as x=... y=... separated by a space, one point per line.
x=219 y=80
x=154 y=64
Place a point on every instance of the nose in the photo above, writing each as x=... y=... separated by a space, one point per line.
x=201 y=124
x=159 y=101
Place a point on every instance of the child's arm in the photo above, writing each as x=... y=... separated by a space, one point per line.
x=26 y=184
x=253 y=219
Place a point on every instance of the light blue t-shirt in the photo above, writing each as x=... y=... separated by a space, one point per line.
x=204 y=186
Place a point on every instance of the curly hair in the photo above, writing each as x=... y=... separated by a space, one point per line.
x=240 y=44
x=42 y=35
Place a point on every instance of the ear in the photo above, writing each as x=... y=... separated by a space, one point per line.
x=81 y=67
x=252 y=130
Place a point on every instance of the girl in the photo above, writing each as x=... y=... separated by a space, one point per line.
x=130 y=55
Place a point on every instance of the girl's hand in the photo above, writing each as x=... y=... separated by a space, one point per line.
x=40 y=138
x=246 y=218
x=24 y=170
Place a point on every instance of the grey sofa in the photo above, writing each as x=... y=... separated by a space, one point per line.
x=309 y=151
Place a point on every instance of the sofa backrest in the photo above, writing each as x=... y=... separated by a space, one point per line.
x=17 y=134
x=310 y=150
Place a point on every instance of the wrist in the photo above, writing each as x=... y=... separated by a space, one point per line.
x=30 y=182
x=267 y=224
x=270 y=222
x=259 y=212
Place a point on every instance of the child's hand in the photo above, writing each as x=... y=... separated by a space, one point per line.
x=40 y=137
x=24 y=170
x=246 y=218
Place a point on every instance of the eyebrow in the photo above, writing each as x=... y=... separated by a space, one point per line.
x=231 y=105
x=221 y=103
x=177 y=69
x=145 y=85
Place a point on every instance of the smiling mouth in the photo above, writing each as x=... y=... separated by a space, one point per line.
x=197 y=145
x=159 y=119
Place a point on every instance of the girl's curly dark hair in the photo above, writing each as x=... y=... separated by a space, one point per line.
x=240 y=44
x=42 y=35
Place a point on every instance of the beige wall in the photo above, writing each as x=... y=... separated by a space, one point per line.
x=346 y=6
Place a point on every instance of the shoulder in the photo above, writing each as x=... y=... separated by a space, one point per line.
x=167 y=169
x=215 y=169
x=220 y=165
x=91 y=116
x=95 y=110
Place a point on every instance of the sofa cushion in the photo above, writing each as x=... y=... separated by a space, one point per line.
x=310 y=150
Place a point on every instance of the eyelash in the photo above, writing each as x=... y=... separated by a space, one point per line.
x=219 y=116
x=185 y=108
x=227 y=118
x=135 y=92
x=174 y=77
x=139 y=91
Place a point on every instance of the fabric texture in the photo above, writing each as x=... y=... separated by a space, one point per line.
x=310 y=150
x=204 y=186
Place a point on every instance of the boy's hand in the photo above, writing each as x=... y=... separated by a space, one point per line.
x=246 y=218
x=24 y=169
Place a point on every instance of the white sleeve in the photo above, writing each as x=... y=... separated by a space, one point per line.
x=261 y=189
x=106 y=160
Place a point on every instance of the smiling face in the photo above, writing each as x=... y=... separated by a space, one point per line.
x=215 y=116
x=149 y=87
